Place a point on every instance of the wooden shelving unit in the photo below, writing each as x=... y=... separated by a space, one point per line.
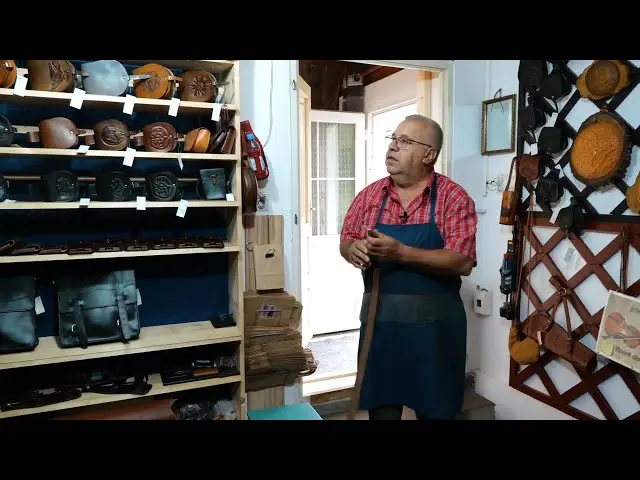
x=156 y=338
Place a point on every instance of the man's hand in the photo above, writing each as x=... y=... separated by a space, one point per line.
x=383 y=246
x=358 y=255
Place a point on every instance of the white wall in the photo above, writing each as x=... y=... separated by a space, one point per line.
x=392 y=90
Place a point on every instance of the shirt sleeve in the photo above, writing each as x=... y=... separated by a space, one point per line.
x=352 y=226
x=460 y=227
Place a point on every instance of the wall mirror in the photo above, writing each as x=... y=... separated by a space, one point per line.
x=499 y=125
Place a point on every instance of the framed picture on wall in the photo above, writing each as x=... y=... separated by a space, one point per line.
x=499 y=125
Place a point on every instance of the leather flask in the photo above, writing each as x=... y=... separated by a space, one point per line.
x=51 y=75
x=158 y=137
x=111 y=135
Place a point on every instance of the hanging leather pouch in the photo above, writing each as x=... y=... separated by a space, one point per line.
x=531 y=73
x=510 y=199
x=549 y=190
x=555 y=85
x=571 y=218
x=530 y=167
x=552 y=140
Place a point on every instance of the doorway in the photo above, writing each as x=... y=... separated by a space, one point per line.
x=339 y=152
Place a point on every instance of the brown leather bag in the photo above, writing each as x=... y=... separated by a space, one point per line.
x=58 y=132
x=542 y=327
x=530 y=167
x=112 y=135
x=51 y=75
x=509 y=206
x=161 y=84
x=197 y=140
x=8 y=73
x=158 y=137
x=197 y=86
x=249 y=187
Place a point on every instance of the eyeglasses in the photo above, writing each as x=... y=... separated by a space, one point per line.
x=404 y=142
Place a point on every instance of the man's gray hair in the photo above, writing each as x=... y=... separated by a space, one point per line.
x=437 y=129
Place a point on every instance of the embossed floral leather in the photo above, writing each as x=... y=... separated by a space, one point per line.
x=197 y=86
x=602 y=79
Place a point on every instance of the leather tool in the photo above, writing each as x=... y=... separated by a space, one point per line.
x=51 y=75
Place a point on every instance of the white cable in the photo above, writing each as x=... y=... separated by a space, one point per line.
x=264 y=145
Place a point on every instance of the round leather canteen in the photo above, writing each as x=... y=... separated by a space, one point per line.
x=8 y=73
x=159 y=137
x=602 y=79
x=111 y=135
x=51 y=75
x=61 y=186
x=197 y=86
x=163 y=187
x=633 y=196
x=105 y=77
x=601 y=151
x=249 y=185
x=114 y=187
x=58 y=132
x=6 y=132
x=160 y=84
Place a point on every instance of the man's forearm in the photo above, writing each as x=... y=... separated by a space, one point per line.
x=442 y=261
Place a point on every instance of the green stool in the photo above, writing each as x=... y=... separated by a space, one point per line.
x=296 y=411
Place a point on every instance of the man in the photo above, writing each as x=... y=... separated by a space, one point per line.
x=418 y=228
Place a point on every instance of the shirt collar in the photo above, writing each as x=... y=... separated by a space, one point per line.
x=388 y=183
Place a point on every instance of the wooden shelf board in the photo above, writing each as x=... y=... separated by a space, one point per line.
x=213 y=66
x=39 y=97
x=152 y=339
x=61 y=152
x=90 y=398
x=64 y=257
x=111 y=205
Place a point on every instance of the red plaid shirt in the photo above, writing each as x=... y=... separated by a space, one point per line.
x=455 y=213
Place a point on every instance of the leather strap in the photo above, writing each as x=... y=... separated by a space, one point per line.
x=366 y=344
x=29 y=249
x=81 y=330
x=35 y=399
x=8 y=245
x=139 y=386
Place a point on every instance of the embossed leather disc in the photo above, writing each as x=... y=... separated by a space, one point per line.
x=601 y=151
x=602 y=79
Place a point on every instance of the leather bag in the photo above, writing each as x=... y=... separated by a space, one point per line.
x=531 y=73
x=197 y=86
x=197 y=140
x=213 y=181
x=6 y=132
x=158 y=137
x=51 y=75
x=549 y=190
x=161 y=84
x=8 y=73
x=17 y=314
x=114 y=186
x=104 y=77
x=58 y=132
x=249 y=190
x=163 y=187
x=61 y=186
x=96 y=309
x=530 y=167
x=510 y=199
x=112 y=135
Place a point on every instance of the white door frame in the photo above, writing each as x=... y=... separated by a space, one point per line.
x=444 y=67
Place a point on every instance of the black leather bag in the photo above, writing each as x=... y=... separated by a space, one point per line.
x=97 y=309
x=213 y=183
x=18 y=314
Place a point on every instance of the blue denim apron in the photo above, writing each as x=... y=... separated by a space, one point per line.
x=418 y=352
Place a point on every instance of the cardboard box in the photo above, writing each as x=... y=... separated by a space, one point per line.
x=277 y=309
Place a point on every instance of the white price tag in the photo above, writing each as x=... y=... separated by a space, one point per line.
x=77 y=98
x=139 y=297
x=182 y=208
x=20 y=87
x=39 y=307
x=129 y=102
x=173 y=107
x=129 y=156
x=215 y=112
x=180 y=164
x=230 y=197
x=141 y=203
x=84 y=202
x=83 y=148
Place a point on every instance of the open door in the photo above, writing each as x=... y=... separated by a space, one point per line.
x=304 y=146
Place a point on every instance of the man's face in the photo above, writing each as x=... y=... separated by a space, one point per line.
x=411 y=150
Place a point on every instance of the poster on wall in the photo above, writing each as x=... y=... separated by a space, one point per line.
x=619 y=335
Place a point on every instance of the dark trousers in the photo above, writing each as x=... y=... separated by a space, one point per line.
x=393 y=412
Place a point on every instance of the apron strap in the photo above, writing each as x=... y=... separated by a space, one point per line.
x=434 y=197
x=382 y=205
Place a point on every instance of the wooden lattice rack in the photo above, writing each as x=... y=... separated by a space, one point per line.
x=611 y=222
